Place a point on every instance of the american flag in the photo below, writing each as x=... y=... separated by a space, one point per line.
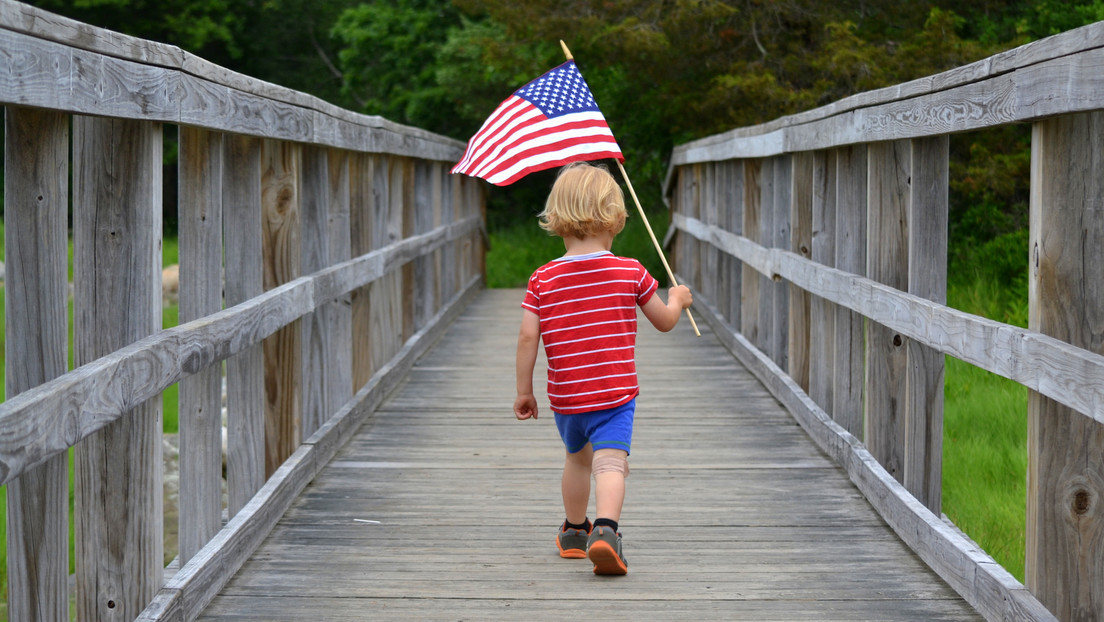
x=549 y=122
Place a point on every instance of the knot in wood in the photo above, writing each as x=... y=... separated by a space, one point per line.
x=897 y=341
x=1082 y=501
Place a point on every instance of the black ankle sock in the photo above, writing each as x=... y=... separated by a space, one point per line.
x=585 y=526
x=605 y=522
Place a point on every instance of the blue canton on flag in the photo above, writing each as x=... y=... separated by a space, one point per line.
x=560 y=91
x=549 y=122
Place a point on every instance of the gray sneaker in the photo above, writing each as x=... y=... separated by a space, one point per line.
x=604 y=549
x=572 y=542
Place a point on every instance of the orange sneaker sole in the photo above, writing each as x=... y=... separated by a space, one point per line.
x=606 y=561
x=570 y=553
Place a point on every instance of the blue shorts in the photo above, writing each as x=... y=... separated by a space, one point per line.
x=603 y=429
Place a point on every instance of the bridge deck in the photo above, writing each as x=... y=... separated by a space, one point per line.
x=444 y=507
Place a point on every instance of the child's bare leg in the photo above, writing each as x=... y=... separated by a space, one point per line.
x=576 y=484
x=611 y=467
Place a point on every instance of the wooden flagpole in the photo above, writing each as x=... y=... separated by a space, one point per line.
x=644 y=217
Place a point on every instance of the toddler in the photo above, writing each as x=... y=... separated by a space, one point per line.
x=583 y=306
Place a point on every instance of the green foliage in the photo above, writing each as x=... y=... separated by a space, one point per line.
x=985 y=461
x=389 y=59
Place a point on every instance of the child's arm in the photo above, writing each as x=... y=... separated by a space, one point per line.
x=525 y=406
x=665 y=316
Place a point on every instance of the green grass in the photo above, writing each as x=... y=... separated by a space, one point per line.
x=985 y=429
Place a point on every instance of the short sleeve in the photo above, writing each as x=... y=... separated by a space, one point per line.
x=646 y=287
x=532 y=295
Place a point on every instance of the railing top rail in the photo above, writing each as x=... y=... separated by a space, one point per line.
x=68 y=65
x=1013 y=86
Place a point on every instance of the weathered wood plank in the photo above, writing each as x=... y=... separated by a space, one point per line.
x=281 y=246
x=338 y=313
x=749 y=311
x=363 y=195
x=387 y=514
x=245 y=370
x=851 y=228
x=889 y=172
x=927 y=277
x=36 y=196
x=117 y=263
x=200 y=396
x=822 y=314
x=314 y=254
x=1065 y=477
x=1063 y=372
x=801 y=242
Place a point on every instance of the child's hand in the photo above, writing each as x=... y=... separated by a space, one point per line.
x=525 y=407
x=681 y=296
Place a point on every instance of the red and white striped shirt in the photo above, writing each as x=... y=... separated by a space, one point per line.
x=587 y=309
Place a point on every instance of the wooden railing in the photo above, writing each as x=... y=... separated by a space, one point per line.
x=320 y=253
x=818 y=244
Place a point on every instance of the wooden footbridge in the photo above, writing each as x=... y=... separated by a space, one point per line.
x=786 y=465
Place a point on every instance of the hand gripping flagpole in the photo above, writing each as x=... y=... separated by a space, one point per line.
x=644 y=217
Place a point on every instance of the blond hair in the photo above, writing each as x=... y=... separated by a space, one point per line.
x=585 y=201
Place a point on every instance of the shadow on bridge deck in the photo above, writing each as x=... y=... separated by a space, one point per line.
x=445 y=507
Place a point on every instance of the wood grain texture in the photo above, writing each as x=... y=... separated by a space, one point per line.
x=749 y=312
x=927 y=277
x=442 y=458
x=822 y=314
x=1063 y=372
x=244 y=281
x=36 y=196
x=851 y=233
x=200 y=395
x=888 y=176
x=117 y=264
x=801 y=242
x=1065 y=478
x=281 y=166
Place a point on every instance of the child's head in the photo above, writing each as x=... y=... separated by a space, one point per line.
x=585 y=201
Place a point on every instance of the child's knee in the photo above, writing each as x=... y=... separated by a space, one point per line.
x=615 y=462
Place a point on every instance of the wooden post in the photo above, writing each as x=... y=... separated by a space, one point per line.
x=314 y=253
x=408 y=209
x=801 y=242
x=778 y=236
x=850 y=245
x=822 y=314
x=200 y=396
x=749 y=311
x=887 y=262
x=281 y=163
x=36 y=196
x=363 y=190
x=733 y=218
x=1065 y=476
x=241 y=187
x=927 y=277
x=767 y=341
x=339 y=317
x=117 y=273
